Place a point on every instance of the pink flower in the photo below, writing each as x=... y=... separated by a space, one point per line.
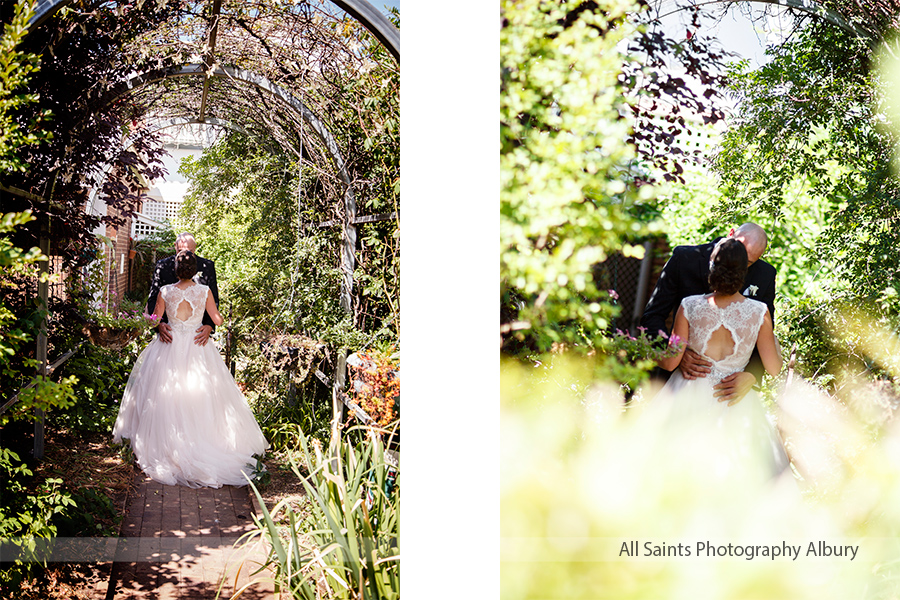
x=613 y=294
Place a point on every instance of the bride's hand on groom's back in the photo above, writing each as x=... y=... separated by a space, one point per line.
x=693 y=366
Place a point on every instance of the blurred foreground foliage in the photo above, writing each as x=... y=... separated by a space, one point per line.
x=581 y=475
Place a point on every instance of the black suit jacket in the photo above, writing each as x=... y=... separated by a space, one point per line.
x=687 y=273
x=164 y=274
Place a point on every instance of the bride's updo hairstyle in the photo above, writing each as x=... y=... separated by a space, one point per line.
x=185 y=264
x=727 y=266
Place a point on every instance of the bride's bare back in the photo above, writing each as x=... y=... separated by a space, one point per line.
x=725 y=332
x=721 y=342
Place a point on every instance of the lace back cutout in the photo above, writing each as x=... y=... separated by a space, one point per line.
x=185 y=307
x=720 y=344
x=741 y=320
x=184 y=311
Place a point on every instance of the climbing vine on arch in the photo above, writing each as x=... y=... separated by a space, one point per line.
x=278 y=270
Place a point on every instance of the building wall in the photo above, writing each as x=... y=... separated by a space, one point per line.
x=118 y=261
x=165 y=197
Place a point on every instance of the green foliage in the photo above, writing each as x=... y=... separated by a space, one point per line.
x=10 y=256
x=26 y=512
x=46 y=396
x=807 y=133
x=840 y=339
x=286 y=436
x=689 y=209
x=93 y=507
x=565 y=188
x=283 y=408
x=27 y=517
x=16 y=332
x=368 y=126
x=353 y=528
x=101 y=375
x=804 y=330
x=285 y=395
x=242 y=207
x=16 y=69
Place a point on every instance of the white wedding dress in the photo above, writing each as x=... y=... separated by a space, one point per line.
x=743 y=429
x=187 y=421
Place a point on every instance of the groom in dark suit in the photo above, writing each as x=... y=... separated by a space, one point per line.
x=686 y=274
x=164 y=274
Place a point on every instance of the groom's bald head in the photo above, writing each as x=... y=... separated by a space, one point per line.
x=754 y=239
x=185 y=241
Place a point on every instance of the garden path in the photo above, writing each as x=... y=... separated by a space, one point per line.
x=177 y=542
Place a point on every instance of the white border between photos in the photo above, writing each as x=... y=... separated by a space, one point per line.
x=449 y=286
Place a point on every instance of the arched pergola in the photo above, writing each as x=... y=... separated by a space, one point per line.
x=209 y=69
x=348 y=256
x=258 y=75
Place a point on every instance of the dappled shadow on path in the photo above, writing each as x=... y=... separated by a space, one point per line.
x=179 y=542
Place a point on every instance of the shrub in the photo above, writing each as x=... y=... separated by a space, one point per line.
x=349 y=543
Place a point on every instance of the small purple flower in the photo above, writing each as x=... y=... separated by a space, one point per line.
x=613 y=294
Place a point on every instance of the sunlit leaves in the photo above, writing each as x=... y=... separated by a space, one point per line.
x=564 y=160
x=807 y=125
x=16 y=69
x=242 y=207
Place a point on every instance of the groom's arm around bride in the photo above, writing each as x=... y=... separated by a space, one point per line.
x=164 y=274
x=686 y=274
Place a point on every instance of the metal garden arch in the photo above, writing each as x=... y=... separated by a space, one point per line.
x=348 y=256
x=377 y=24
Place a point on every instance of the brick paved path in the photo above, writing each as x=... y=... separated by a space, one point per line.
x=177 y=542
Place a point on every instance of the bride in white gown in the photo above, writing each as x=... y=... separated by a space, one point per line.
x=724 y=327
x=187 y=421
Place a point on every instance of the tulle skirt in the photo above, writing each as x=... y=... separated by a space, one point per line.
x=187 y=421
x=741 y=436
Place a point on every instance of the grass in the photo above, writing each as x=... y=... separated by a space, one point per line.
x=284 y=484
